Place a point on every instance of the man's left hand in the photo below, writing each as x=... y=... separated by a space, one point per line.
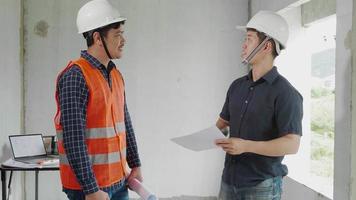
x=233 y=146
x=135 y=173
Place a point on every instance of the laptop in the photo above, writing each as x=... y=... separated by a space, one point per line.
x=29 y=149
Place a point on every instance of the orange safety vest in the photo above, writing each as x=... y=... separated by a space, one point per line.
x=105 y=134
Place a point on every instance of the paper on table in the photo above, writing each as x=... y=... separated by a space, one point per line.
x=201 y=140
x=13 y=163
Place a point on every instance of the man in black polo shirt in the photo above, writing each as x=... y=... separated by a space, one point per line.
x=263 y=113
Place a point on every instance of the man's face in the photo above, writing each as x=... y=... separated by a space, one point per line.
x=250 y=43
x=115 y=42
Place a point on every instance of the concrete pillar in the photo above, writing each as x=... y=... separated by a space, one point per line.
x=345 y=130
x=317 y=9
x=353 y=104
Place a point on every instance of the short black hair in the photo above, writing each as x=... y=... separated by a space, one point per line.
x=102 y=30
x=261 y=36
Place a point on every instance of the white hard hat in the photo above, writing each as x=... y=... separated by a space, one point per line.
x=271 y=24
x=96 y=14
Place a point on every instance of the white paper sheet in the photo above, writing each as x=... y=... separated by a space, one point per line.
x=143 y=192
x=13 y=163
x=201 y=140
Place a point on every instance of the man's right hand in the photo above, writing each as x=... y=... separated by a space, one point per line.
x=99 y=195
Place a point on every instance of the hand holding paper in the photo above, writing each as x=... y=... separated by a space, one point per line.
x=233 y=146
x=201 y=140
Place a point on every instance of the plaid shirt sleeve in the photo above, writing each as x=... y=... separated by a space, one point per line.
x=133 y=159
x=73 y=98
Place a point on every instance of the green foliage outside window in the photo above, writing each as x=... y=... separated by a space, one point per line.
x=322 y=130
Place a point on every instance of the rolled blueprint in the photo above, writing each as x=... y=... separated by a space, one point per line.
x=137 y=187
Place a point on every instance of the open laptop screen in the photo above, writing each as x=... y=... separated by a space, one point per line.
x=27 y=145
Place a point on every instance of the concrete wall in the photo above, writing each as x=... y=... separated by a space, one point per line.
x=317 y=9
x=343 y=119
x=353 y=99
x=275 y=5
x=49 y=44
x=179 y=60
x=175 y=50
x=10 y=82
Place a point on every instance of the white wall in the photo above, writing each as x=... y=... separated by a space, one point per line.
x=50 y=41
x=10 y=82
x=180 y=58
x=10 y=76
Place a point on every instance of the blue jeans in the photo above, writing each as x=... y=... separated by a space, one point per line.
x=120 y=194
x=269 y=189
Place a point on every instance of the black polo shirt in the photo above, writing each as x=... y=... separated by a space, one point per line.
x=263 y=110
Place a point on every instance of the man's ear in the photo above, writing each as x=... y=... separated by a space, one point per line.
x=268 y=46
x=97 y=38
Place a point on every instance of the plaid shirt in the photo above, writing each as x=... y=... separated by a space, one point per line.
x=73 y=100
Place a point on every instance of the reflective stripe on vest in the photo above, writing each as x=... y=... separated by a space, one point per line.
x=96 y=133
x=98 y=159
x=96 y=146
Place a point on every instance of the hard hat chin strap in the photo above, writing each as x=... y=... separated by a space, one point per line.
x=255 y=51
x=105 y=47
